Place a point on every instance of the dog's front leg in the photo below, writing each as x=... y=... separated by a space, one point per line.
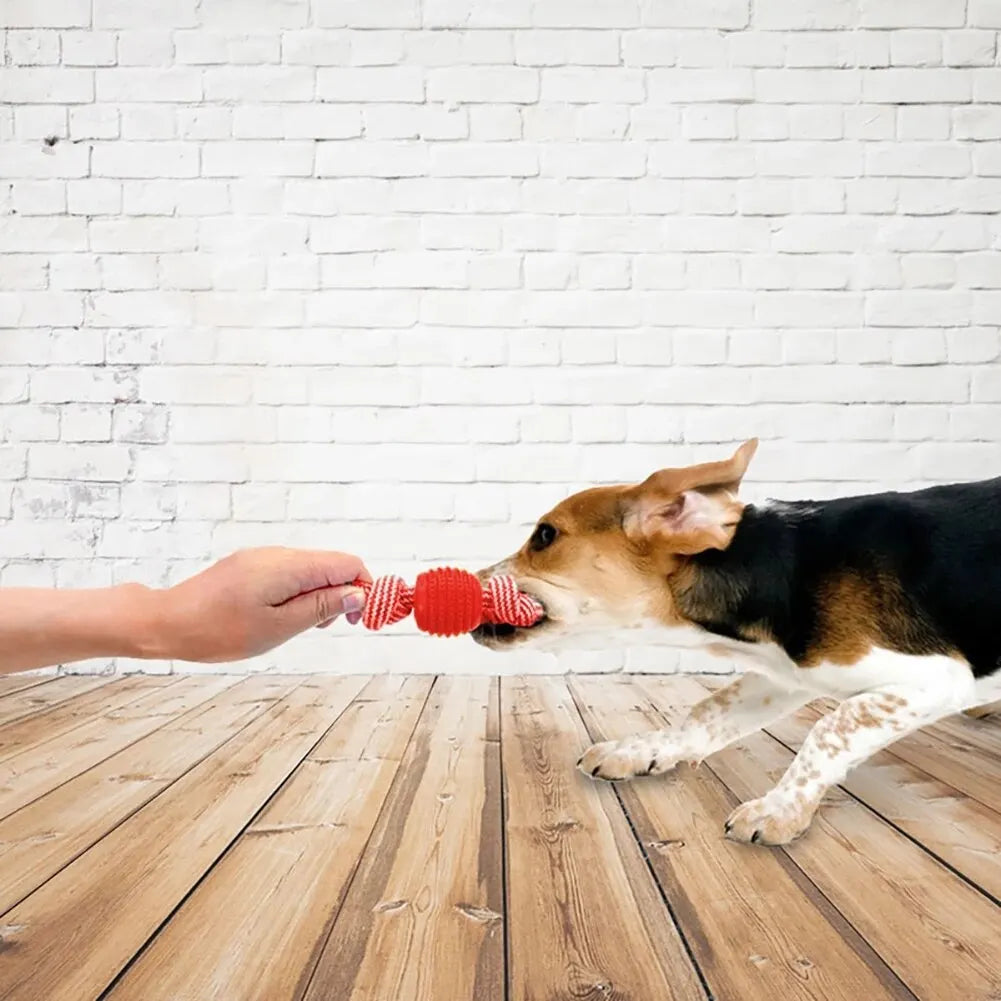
x=857 y=729
x=741 y=708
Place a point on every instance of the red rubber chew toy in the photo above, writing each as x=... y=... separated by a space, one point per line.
x=448 y=602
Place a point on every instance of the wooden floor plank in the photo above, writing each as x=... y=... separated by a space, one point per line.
x=49 y=833
x=959 y=830
x=956 y=763
x=276 y=890
x=38 y=770
x=423 y=918
x=756 y=931
x=984 y=734
x=38 y=698
x=584 y=913
x=937 y=933
x=11 y=683
x=26 y=734
x=304 y=839
x=69 y=939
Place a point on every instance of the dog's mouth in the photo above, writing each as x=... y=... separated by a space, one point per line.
x=497 y=635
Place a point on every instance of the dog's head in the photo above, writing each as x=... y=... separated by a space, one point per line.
x=604 y=558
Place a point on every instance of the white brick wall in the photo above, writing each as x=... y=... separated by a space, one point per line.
x=394 y=277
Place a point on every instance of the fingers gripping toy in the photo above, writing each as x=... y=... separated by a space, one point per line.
x=447 y=602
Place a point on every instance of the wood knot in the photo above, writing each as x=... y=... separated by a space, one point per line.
x=8 y=933
x=389 y=905
x=666 y=844
x=561 y=826
x=593 y=991
x=481 y=914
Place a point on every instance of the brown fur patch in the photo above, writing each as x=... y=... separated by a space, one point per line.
x=856 y=613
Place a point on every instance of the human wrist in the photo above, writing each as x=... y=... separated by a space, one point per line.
x=144 y=613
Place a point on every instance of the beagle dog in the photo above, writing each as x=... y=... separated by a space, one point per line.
x=889 y=603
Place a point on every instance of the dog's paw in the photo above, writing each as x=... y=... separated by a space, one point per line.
x=771 y=820
x=615 y=760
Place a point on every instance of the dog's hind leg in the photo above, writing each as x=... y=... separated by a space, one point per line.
x=857 y=729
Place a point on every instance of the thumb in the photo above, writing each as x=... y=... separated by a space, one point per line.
x=314 y=608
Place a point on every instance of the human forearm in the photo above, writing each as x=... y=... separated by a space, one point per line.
x=40 y=627
x=246 y=604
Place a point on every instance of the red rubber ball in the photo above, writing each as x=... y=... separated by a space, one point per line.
x=447 y=601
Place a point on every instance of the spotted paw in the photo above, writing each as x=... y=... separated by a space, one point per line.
x=768 y=821
x=615 y=760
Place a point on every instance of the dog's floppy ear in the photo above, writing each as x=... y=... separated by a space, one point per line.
x=690 y=509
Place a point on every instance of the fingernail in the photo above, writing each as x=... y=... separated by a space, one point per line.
x=353 y=603
x=353 y=617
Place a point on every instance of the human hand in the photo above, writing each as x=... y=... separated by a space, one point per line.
x=255 y=600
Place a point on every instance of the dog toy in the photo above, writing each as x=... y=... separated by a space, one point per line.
x=447 y=602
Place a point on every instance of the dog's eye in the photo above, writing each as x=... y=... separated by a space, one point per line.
x=543 y=537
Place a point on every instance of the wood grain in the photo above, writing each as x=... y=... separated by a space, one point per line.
x=585 y=918
x=39 y=839
x=984 y=733
x=10 y=683
x=423 y=918
x=303 y=848
x=38 y=698
x=309 y=839
x=756 y=931
x=932 y=928
x=959 y=830
x=39 y=769
x=71 y=937
x=25 y=734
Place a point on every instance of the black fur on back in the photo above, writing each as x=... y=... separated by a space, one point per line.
x=929 y=561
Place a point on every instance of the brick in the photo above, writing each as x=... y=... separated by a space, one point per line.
x=47 y=86
x=814 y=85
x=919 y=347
x=55 y=14
x=32 y=48
x=138 y=159
x=251 y=158
x=916 y=14
x=257 y=83
x=561 y=48
x=864 y=383
x=86 y=422
x=42 y=235
x=150 y=308
x=695 y=85
x=483 y=160
x=398 y=84
x=140 y=423
x=361 y=14
x=137 y=235
x=915 y=86
x=587 y=85
x=148 y=84
x=711 y=14
x=93 y=122
x=88 y=48
x=984 y=14
x=371 y=159
x=824 y=14
x=79 y=461
x=915 y=48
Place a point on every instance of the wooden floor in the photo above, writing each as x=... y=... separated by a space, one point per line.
x=412 y=839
